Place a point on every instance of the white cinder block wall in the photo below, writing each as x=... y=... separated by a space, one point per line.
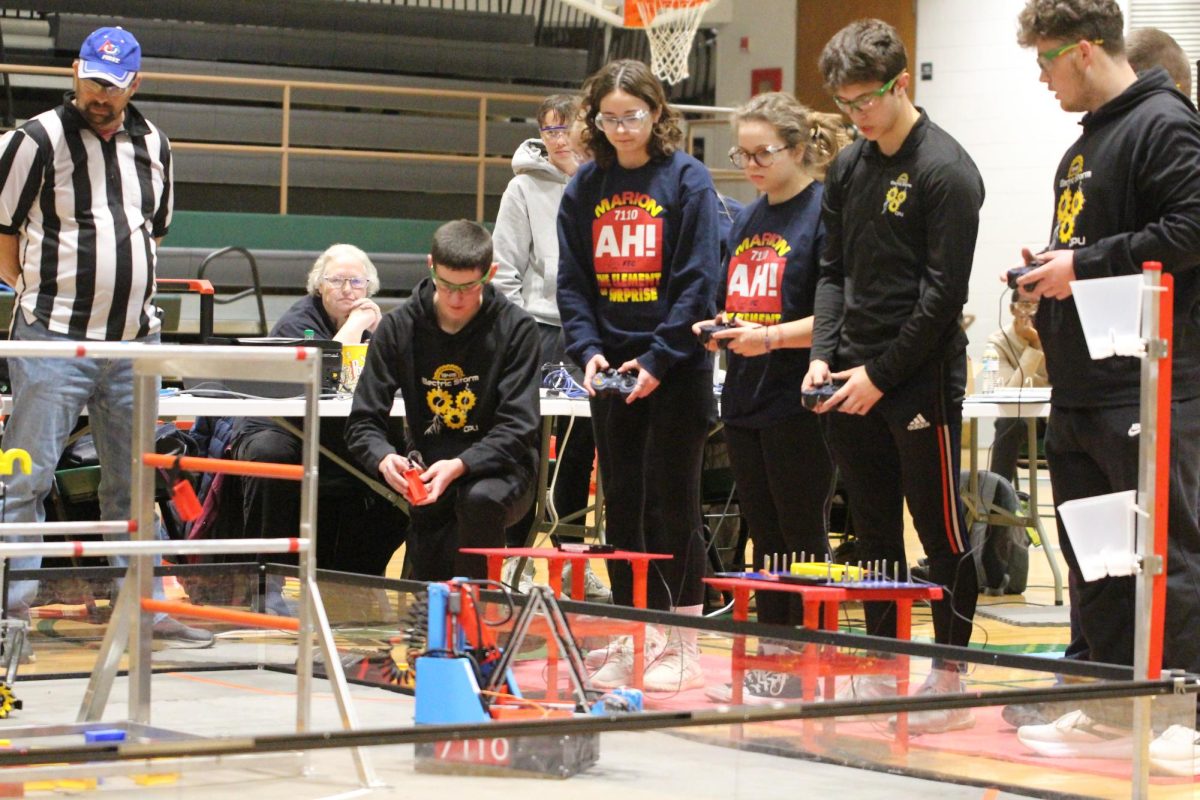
x=985 y=91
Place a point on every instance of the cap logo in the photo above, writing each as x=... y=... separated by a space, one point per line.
x=110 y=49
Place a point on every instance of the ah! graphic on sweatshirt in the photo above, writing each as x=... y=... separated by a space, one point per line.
x=627 y=242
x=754 y=290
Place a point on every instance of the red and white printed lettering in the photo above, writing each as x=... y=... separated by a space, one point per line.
x=627 y=239
x=755 y=281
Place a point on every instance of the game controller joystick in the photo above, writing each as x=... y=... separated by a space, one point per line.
x=819 y=394
x=611 y=383
x=1016 y=272
x=707 y=331
x=417 y=491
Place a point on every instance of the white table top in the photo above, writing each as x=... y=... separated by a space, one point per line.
x=185 y=405
x=1008 y=403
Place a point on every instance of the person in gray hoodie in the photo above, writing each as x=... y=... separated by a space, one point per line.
x=526 y=245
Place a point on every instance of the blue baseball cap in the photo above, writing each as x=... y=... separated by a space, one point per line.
x=111 y=54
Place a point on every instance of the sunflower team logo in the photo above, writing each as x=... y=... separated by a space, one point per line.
x=896 y=195
x=450 y=398
x=1071 y=201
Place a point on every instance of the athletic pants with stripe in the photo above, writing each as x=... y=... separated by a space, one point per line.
x=907 y=448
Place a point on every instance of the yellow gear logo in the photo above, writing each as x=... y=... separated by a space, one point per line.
x=897 y=194
x=438 y=399
x=452 y=410
x=1070 y=202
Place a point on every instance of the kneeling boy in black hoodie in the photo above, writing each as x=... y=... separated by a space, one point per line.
x=465 y=360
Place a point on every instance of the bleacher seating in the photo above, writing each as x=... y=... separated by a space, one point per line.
x=376 y=52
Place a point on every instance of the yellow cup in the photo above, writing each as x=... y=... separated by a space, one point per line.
x=353 y=357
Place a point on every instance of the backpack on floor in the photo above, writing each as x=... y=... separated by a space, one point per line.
x=1001 y=551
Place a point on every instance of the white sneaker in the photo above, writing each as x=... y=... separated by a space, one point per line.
x=616 y=664
x=940 y=720
x=677 y=670
x=510 y=566
x=1176 y=751
x=598 y=657
x=594 y=589
x=1076 y=735
x=613 y=664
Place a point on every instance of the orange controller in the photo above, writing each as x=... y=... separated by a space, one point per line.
x=416 y=487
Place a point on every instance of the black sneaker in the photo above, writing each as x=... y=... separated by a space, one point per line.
x=177 y=634
x=760 y=687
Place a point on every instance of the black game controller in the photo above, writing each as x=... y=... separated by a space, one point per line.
x=819 y=394
x=707 y=331
x=1017 y=272
x=611 y=383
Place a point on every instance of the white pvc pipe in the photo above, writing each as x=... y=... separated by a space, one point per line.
x=194 y=547
x=25 y=529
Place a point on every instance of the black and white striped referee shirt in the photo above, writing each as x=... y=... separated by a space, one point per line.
x=87 y=212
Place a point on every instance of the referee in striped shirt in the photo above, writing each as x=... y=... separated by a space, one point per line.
x=85 y=198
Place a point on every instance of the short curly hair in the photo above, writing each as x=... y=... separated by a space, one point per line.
x=864 y=51
x=633 y=78
x=1073 y=21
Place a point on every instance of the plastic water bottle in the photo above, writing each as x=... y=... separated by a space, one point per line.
x=989 y=376
x=309 y=334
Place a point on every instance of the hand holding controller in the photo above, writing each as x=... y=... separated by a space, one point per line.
x=611 y=383
x=1015 y=274
x=707 y=331
x=820 y=393
x=417 y=491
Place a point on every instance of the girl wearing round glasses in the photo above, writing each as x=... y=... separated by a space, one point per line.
x=783 y=470
x=639 y=254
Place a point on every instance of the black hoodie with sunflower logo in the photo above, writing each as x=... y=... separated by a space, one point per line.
x=471 y=395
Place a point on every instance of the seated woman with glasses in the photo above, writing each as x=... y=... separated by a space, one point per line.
x=357 y=530
x=638 y=264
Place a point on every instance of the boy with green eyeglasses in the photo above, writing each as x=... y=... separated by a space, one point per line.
x=901 y=214
x=1126 y=191
x=465 y=360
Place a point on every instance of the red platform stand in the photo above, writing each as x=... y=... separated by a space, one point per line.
x=813 y=662
x=555 y=560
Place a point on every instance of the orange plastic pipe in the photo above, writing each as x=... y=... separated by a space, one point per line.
x=249 y=618
x=254 y=469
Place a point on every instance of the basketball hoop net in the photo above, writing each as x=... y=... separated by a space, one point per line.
x=670 y=26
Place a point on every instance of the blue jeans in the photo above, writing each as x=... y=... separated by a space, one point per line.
x=49 y=396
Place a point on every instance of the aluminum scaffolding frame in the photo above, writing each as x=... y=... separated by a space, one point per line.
x=130 y=626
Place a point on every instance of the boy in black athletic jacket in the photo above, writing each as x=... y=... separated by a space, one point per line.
x=466 y=362
x=901 y=213
x=1127 y=191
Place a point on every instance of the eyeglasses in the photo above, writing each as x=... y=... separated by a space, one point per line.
x=555 y=132
x=458 y=288
x=1025 y=308
x=631 y=122
x=865 y=101
x=338 y=282
x=764 y=157
x=1044 y=59
x=99 y=87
